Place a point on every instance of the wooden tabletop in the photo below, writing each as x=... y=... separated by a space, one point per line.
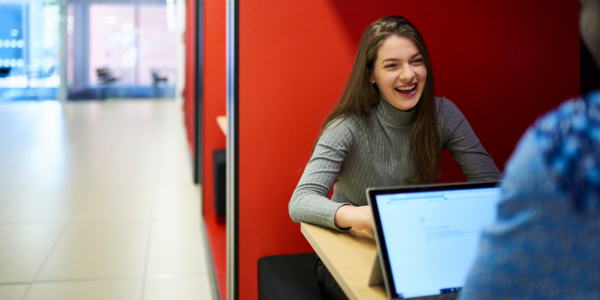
x=222 y=121
x=349 y=256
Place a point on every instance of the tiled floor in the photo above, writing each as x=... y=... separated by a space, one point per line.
x=97 y=202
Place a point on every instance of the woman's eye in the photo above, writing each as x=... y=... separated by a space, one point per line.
x=390 y=66
x=418 y=61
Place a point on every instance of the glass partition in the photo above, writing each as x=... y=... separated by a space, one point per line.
x=113 y=50
x=29 y=50
x=132 y=51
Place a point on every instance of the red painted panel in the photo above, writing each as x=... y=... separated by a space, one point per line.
x=294 y=61
x=502 y=62
x=214 y=105
x=190 y=78
x=217 y=239
x=214 y=93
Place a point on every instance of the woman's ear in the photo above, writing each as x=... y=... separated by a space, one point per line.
x=371 y=78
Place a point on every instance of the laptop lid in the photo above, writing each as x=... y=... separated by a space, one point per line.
x=427 y=236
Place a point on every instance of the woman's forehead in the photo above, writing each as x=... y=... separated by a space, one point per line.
x=397 y=47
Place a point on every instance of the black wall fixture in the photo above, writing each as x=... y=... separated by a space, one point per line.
x=198 y=91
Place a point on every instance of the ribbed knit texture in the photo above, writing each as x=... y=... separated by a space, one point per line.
x=374 y=151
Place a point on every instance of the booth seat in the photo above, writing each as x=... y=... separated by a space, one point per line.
x=291 y=277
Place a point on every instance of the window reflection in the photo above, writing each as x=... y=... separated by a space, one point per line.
x=113 y=50
x=29 y=48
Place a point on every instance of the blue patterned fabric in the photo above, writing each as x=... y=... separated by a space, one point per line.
x=545 y=243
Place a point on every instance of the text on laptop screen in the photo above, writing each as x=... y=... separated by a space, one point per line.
x=432 y=237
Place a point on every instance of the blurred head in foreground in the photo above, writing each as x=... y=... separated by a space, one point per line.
x=545 y=243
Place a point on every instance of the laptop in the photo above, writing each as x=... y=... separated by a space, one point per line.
x=427 y=236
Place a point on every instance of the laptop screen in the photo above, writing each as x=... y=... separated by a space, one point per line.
x=431 y=237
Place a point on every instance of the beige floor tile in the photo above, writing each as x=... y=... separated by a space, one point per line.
x=175 y=174
x=116 y=203
x=57 y=180
x=136 y=153
x=98 y=250
x=41 y=205
x=71 y=168
x=176 y=248
x=7 y=194
x=121 y=192
x=66 y=175
x=87 y=290
x=75 y=159
x=177 y=201
x=180 y=288
x=14 y=177
x=114 y=209
x=127 y=174
x=113 y=169
x=179 y=156
x=92 y=141
x=12 y=292
x=10 y=157
x=48 y=157
x=130 y=166
x=23 y=249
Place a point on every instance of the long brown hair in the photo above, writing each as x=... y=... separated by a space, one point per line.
x=360 y=96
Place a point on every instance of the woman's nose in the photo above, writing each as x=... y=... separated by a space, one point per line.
x=406 y=74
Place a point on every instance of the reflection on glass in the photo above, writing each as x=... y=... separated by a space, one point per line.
x=29 y=46
x=132 y=51
x=113 y=50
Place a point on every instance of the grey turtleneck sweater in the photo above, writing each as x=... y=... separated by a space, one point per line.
x=374 y=151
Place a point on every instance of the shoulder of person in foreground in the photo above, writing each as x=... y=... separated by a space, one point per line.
x=309 y=202
x=545 y=243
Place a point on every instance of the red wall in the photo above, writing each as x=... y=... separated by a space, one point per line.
x=214 y=94
x=214 y=88
x=190 y=78
x=502 y=62
x=213 y=101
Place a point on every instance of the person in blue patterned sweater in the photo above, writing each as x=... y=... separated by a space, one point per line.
x=545 y=243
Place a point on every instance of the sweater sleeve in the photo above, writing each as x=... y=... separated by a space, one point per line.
x=459 y=138
x=309 y=201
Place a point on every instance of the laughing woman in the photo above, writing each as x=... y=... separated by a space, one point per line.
x=388 y=129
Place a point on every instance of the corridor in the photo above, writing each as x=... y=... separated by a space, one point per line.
x=97 y=202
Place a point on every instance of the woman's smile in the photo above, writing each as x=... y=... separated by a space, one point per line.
x=407 y=90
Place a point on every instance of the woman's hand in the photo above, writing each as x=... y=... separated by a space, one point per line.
x=356 y=217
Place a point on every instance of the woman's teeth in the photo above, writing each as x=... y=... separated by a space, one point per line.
x=406 y=89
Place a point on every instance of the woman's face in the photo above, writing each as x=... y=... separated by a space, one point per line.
x=399 y=72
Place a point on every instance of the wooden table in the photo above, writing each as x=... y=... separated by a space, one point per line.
x=222 y=121
x=349 y=256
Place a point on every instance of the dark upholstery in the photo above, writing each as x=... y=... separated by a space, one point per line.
x=220 y=158
x=290 y=277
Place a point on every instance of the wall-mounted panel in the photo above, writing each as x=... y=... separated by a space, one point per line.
x=214 y=90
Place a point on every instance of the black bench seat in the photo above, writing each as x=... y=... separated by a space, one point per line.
x=290 y=277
